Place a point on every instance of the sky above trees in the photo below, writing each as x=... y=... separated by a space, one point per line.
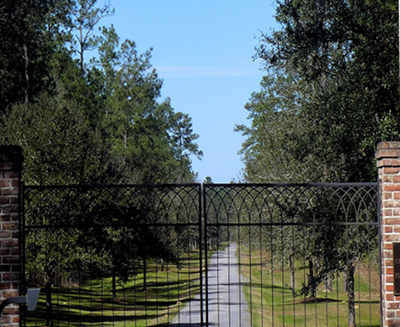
x=203 y=52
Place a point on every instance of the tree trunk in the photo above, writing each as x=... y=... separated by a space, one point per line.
x=114 y=284
x=26 y=59
x=49 y=306
x=81 y=45
x=311 y=279
x=350 y=294
x=329 y=284
x=292 y=275
x=144 y=274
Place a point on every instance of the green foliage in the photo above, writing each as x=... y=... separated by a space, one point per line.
x=334 y=64
x=86 y=121
x=28 y=32
x=59 y=148
x=104 y=123
x=330 y=94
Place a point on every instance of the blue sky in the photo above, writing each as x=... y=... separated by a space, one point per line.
x=203 y=52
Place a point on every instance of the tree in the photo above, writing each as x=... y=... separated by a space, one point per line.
x=29 y=35
x=89 y=124
x=149 y=141
x=86 y=16
x=330 y=94
x=336 y=46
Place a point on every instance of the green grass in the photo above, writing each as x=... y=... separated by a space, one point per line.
x=92 y=303
x=271 y=302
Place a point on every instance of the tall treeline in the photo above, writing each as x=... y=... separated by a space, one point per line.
x=330 y=93
x=84 y=105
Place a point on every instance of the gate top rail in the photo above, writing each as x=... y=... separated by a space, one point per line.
x=80 y=206
x=292 y=203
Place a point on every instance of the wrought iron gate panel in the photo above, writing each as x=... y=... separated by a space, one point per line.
x=282 y=251
x=116 y=254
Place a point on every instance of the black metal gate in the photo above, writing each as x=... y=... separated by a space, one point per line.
x=194 y=255
x=292 y=254
x=112 y=255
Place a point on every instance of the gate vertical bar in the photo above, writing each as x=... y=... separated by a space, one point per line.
x=204 y=191
x=201 y=255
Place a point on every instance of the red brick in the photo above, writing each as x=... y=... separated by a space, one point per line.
x=390 y=314
x=15 y=183
x=388 y=195
x=389 y=297
x=389 y=271
x=5 y=217
x=393 y=237
x=15 y=319
x=4 y=200
x=11 y=310
x=388 y=213
x=13 y=200
x=387 y=179
x=388 y=229
x=12 y=293
x=8 y=276
x=14 y=251
x=391 y=221
x=391 y=204
x=391 y=188
x=5 y=285
x=10 y=226
x=391 y=170
x=386 y=254
x=5 y=234
x=396 y=195
x=9 y=191
x=389 y=279
x=9 y=209
x=4 y=251
x=388 y=262
x=11 y=174
x=15 y=218
x=9 y=243
x=15 y=259
x=389 y=288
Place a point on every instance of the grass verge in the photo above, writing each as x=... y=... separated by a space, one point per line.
x=272 y=303
x=92 y=303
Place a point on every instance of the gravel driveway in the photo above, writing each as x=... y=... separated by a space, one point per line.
x=226 y=302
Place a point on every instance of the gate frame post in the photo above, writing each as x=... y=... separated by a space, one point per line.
x=10 y=214
x=388 y=163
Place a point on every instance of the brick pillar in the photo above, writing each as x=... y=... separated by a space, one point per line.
x=10 y=186
x=388 y=161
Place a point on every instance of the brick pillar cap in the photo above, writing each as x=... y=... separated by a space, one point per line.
x=388 y=150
